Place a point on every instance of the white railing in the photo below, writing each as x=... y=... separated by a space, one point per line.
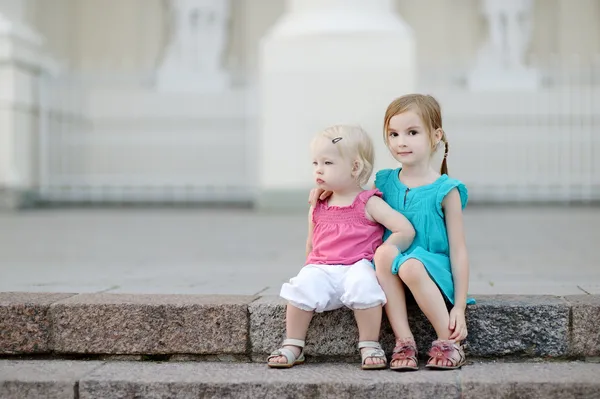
x=527 y=146
x=130 y=145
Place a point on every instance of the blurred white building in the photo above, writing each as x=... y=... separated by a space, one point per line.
x=159 y=100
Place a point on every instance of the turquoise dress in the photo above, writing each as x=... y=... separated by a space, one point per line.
x=422 y=206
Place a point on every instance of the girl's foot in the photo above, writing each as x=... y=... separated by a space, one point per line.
x=446 y=355
x=405 y=355
x=372 y=360
x=373 y=357
x=290 y=354
x=281 y=358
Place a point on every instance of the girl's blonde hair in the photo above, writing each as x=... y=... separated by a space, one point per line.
x=430 y=113
x=353 y=144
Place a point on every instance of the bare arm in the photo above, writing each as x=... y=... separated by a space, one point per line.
x=310 y=231
x=402 y=230
x=459 y=259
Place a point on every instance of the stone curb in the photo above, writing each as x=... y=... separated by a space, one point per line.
x=585 y=327
x=150 y=324
x=241 y=327
x=25 y=323
x=528 y=326
x=90 y=380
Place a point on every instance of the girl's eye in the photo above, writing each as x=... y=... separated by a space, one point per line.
x=314 y=163
x=328 y=163
x=393 y=134
x=412 y=132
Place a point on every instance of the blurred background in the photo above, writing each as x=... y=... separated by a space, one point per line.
x=211 y=104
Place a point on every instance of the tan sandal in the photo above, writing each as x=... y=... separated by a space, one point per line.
x=405 y=349
x=292 y=360
x=449 y=351
x=373 y=350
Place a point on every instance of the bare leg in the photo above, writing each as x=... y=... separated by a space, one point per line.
x=369 y=326
x=396 y=297
x=428 y=296
x=296 y=324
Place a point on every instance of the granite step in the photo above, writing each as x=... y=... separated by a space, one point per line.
x=61 y=379
x=248 y=328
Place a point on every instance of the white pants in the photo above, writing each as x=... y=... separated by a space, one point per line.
x=326 y=287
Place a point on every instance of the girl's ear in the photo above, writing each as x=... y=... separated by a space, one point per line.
x=439 y=134
x=357 y=167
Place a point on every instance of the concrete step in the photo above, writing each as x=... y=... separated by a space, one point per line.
x=89 y=380
x=248 y=328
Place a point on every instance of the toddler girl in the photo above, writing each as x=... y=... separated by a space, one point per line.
x=343 y=233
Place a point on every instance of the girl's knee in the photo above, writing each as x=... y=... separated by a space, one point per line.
x=412 y=271
x=384 y=257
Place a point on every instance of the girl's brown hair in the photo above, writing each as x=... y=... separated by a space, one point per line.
x=430 y=113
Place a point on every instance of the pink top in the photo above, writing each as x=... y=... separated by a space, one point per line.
x=344 y=235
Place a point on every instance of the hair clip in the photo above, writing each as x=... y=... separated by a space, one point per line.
x=335 y=140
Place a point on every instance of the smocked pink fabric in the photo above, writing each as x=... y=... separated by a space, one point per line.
x=344 y=235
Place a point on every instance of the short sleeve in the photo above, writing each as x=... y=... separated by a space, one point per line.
x=367 y=194
x=445 y=188
x=382 y=177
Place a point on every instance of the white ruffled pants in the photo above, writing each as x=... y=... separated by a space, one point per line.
x=327 y=287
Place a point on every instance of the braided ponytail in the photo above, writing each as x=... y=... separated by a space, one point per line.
x=444 y=169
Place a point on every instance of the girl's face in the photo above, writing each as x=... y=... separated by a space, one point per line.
x=408 y=139
x=331 y=171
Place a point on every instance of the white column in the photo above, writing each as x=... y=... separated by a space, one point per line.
x=501 y=62
x=326 y=62
x=19 y=69
x=194 y=56
x=14 y=10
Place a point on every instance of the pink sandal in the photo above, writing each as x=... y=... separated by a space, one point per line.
x=446 y=350
x=406 y=349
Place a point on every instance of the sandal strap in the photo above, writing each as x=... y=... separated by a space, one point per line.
x=371 y=352
x=372 y=349
x=405 y=349
x=447 y=350
x=294 y=342
x=405 y=345
x=289 y=355
x=369 y=344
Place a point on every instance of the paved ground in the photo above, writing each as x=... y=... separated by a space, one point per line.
x=528 y=250
x=71 y=379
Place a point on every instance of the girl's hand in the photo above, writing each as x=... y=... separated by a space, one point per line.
x=458 y=325
x=316 y=194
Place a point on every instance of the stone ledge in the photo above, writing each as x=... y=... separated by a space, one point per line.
x=90 y=380
x=24 y=321
x=240 y=327
x=532 y=326
x=32 y=379
x=585 y=330
x=150 y=324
